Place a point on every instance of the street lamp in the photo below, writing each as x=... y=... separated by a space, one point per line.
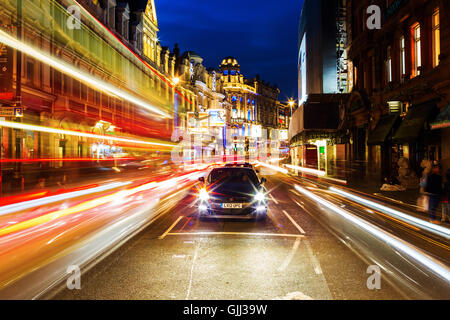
x=176 y=80
x=291 y=104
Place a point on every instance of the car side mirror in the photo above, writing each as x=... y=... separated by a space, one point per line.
x=263 y=180
x=201 y=179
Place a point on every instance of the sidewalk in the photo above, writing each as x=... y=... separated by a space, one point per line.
x=357 y=179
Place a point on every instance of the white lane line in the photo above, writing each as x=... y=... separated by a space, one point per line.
x=273 y=199
x=317 y=268
x=280 y=235
x=294 y=223
x=170 y=228
x=191 y=276
x=288 y=259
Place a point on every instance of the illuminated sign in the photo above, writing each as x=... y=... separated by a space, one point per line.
x=283 y=134
x=198 y=124
x=216 y=118
x=11 y=112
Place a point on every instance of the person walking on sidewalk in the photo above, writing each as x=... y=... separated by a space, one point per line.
x=446 y=203
x=434 y=189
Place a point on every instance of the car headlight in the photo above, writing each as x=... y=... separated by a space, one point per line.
x=260 y=196
x=203 y=195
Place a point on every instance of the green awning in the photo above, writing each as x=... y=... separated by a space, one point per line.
x=442 y=120
x=413 y=124
x=382 y=130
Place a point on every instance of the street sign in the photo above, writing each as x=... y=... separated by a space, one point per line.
x=11 y=112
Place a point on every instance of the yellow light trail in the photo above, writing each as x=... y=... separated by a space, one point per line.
x=76 y=73
x=23 y=126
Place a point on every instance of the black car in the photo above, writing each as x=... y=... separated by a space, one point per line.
x=232 y=192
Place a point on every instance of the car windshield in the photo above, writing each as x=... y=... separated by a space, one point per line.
x=233 y=175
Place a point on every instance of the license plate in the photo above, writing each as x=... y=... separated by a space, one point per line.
x=232 y=205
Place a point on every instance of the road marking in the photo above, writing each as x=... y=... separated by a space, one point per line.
x=294 y=223
x=317 y=268
x=191 y=276
x=170 y=228
x=235 y=233
x=288 y=259
x=273 y=199
x=178 y=256
x=295 y=192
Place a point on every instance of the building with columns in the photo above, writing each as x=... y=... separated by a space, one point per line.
x=254 y=111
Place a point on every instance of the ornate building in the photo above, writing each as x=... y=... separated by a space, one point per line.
x=254 y=113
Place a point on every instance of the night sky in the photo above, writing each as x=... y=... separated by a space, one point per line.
x=260 y=34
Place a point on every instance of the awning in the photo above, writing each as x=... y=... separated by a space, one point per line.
x=442 y=120
x=414 y=122
x=382 y=130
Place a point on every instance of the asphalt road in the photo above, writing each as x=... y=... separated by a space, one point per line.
x=288 y=256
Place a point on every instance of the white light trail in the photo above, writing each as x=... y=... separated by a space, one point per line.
x=76 y=73
x=276 y=168
x=439 y=230
x=31 y=127
x=47 y=200
x=428 y=261
x=306 y=170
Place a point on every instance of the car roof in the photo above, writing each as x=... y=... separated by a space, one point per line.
x=237 y=165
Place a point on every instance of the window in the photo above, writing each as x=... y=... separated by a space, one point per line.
x=30 y=71
x=111 y=16
x=389 y=65
x=76 y=88
x=436 y=37
x=402 y=57
x=417 y=55
x=57 y=82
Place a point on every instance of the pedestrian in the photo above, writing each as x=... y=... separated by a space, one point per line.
x=434 y=190
x=446 y=203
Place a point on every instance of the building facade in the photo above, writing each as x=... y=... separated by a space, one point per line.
x=315 y=130
x=399 y=85
x=112 y=42
x=254 y=120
